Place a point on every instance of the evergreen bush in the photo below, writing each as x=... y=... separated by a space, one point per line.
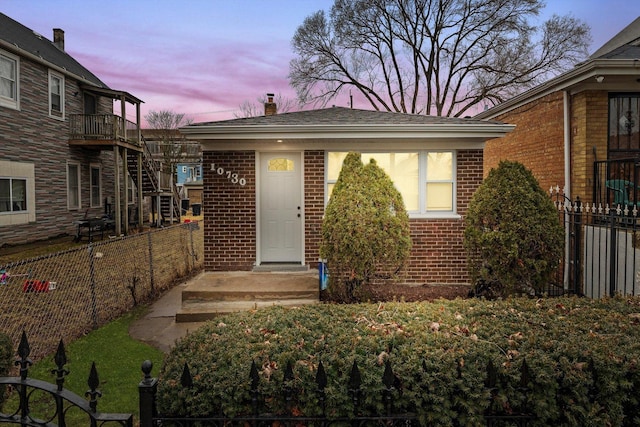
x=365 y=229
x=513 y=237
x=6 y=360
x=583 y=356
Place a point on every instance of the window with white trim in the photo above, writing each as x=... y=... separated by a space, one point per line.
x=9 y=80
x=56 y=95
x=96 y=185
x=13 y=195
x=17 y=193
x=426 y=179
x=73 y=186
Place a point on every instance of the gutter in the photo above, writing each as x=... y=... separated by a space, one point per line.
x=567 y=144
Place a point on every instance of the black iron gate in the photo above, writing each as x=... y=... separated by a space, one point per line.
x=602 y=251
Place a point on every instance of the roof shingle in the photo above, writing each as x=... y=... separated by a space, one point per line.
x=25 y=39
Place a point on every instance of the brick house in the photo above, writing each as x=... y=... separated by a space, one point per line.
x=267 y=180
x=65 y=154
x=579 y=130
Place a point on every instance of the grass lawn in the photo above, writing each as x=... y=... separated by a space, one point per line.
x=118 y=359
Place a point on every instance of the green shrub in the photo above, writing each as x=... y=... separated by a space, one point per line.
x=6 y=360
x=584 y=358
x=513 y=238
x=365 y=230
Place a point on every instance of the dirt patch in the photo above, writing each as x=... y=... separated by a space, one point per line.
x=413 y=293
x=426 y=292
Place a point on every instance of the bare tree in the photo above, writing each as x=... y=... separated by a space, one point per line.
x=171 y=144
x=255 y=109
x=437 y=57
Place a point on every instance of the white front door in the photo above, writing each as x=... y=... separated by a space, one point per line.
x=281 y=207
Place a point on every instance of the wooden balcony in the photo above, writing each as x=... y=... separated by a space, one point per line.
x=103 y=132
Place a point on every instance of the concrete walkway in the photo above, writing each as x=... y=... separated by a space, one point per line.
x=158 y=327
x=210 y=294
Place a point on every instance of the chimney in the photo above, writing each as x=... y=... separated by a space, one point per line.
x=270 y=107
x=58 y=38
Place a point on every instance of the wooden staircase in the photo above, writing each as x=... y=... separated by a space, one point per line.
x=169 y=197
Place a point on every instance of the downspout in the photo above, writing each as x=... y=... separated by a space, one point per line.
x=567 y=144
x=567 y=179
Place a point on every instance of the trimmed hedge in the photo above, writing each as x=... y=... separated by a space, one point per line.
x=583 y=356
x=6 y=361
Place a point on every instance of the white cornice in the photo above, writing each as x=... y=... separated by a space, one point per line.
x=360 y=131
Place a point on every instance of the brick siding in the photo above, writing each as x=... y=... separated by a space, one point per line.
x=230 y=212
x=230 y=218
x=538 y=139
x=29 y=135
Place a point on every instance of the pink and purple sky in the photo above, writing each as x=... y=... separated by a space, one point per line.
x=206 y=57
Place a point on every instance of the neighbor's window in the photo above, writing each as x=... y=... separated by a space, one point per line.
x=13 y=195
x=96 y=186
x=624 y=122
x=17 y=193
x=9 y=87
x=56 y=95
x=425 y=178
x=73 y=186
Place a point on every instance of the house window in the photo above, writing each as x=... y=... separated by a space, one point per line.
x=56 y=95
x=17 y=193
x=9 y=87
x=439 y=185
x=73 y=186
x=425 y=178
x=624 y=122
x=281 y=165
x=13 y=195
x=96 y=186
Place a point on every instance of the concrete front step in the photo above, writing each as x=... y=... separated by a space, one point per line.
x=203 y=311
x=214 y=293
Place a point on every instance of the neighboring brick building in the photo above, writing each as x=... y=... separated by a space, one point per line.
x=267 y=180
x=579 y=130
x=58 y=136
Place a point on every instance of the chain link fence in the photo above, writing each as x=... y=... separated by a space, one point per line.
x=67 y=294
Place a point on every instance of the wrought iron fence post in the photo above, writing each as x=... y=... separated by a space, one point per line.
x=147 y=395
x=578 y=286
x=613 y=249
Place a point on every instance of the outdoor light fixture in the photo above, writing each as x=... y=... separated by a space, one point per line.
x=599 y=79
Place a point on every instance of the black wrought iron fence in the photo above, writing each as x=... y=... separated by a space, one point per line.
x=498 y=412
x=26 y=408
x=69 y=293
x=28 y=392
x=602 y=248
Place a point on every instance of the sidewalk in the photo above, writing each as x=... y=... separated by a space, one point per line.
x=158 y=327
